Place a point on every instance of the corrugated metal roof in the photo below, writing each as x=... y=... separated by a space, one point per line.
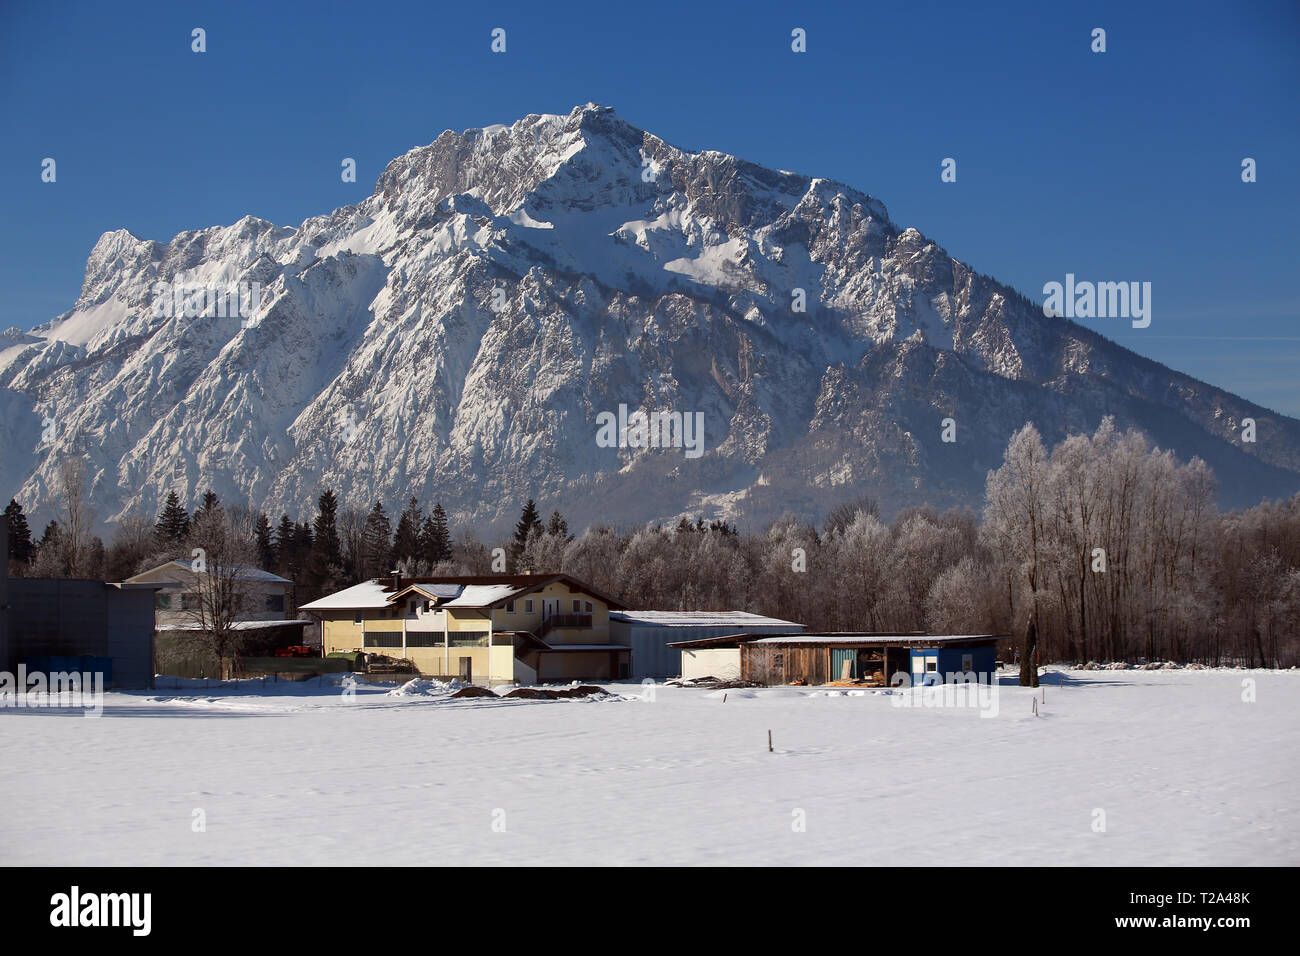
x=858 y=639
x=850 y=639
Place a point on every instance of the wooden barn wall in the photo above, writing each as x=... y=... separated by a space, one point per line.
x=758 y=663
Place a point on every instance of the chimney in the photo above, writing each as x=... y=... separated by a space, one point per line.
x=396 y=581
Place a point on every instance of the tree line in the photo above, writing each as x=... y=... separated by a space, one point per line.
x=1100 y=548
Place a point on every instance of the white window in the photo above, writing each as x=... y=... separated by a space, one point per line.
x=577 y=605
x=528 y=605
x=510 y=607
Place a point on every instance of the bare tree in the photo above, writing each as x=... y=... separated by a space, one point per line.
x=133 y=541
x=223 y=592
x=1015 y=518
x=75 y=518
x=843 y=515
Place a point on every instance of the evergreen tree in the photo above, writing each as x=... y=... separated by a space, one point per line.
x=209 y=505
x=377 y=543
x=427 y=534
x=284 y=533
x=21 y=548
x=406 y=542
x=95 y=561
x=173 y=523
x=302 y=550
x=49 y=560
x=558 y=527
x=529 y=520
x=326 y=549
x=435 y=539
x=265 y=544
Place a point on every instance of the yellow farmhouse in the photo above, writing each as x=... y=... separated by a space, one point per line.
x=524 y=628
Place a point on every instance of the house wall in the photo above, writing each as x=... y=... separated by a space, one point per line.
x=486 y=663
x=340 y=632
x=720 y=662
x=472 y=619
x=178 y=580
x=521 y=620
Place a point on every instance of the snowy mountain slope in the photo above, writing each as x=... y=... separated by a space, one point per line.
x=455 y=335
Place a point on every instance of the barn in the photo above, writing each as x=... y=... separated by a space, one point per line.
x=655 y=636
x=62 y=625
x=822 y=658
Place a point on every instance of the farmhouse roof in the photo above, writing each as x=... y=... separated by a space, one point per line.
x=244 y=572
x=460 y=591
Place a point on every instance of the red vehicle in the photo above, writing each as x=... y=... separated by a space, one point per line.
x=297 y=650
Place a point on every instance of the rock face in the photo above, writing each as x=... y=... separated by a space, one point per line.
x=456 y=335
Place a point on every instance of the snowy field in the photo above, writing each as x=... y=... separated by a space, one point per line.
x=1185 y=771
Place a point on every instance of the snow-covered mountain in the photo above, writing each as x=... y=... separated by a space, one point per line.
x=456 y=335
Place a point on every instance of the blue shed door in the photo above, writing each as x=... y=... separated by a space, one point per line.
x=838 y=657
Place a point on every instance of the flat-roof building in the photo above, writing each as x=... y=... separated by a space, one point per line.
x=822 y=658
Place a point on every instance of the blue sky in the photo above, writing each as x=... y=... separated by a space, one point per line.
x=1117 y=166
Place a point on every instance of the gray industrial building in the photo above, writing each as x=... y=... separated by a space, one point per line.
x=52 y=624
x=649 y=633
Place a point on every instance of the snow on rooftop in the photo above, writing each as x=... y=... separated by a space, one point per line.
x=235 y=625
x=363 y=595
x=481 y=595
x=699 y=619
x=375 y=594
x=242 y=572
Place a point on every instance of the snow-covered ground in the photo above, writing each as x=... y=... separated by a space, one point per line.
x=1184 y=770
